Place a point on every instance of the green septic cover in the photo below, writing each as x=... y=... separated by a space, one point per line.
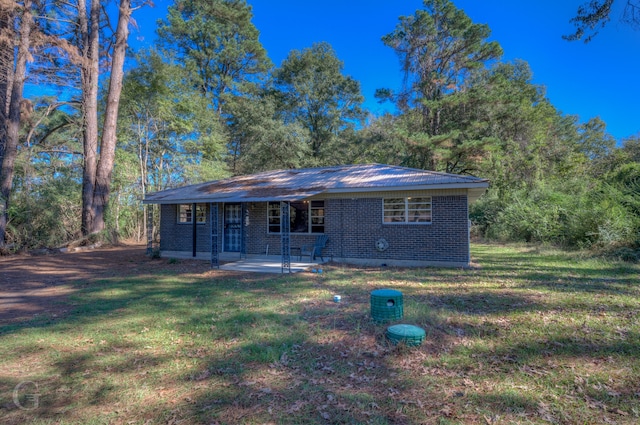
x=386 y=293
x=408 y=331
x=409 y=334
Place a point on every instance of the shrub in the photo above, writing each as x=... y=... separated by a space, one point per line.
x=571 y=214
x=627 y=254
x=48 y=215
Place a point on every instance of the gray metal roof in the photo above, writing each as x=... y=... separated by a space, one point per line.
x=292 y=185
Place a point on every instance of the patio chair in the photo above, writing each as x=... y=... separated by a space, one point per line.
x=314 y=250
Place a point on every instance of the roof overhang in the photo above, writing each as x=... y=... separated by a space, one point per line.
x=233 y=198
x=474 y=192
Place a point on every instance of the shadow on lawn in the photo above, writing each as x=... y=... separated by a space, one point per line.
x=76 y=368
x=553 y=272
x=76 y=381
x=331 y=373
x=481 y=303
x=310 y=361
x=613 y=279
x=329 y=392
x=314 y=361
x=36 y=289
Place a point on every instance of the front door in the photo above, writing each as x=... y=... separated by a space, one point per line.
x=232 y=227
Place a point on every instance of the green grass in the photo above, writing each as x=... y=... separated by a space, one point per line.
x=531 y=336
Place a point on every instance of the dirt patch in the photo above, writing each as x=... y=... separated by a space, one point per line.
x=41 y=285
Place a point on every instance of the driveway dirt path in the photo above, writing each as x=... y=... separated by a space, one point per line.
x=39 y=285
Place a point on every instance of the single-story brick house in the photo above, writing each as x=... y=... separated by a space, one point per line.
x=372 y=214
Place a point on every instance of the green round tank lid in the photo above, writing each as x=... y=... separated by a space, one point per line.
x=406 y=331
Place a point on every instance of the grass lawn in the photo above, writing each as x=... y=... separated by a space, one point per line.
x=530 y=336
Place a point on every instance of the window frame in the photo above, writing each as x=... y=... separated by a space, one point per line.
x=277 y=219
x=315 y=212
x=410 y=204
x=200 y=213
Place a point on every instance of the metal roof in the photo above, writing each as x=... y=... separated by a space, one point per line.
x=296 y=184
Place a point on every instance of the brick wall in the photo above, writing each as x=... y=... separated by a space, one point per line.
x=176 y=236
x=353 y=226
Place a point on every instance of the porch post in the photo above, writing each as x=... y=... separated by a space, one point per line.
x=195 y=228
x=213 y=220
x=285 y=229
x=244 y=211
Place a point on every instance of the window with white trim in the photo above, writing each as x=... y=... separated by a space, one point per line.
x=185 y=213
x=305 y=217
x=406 y=210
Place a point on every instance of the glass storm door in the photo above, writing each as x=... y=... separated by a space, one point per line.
x=232 y=227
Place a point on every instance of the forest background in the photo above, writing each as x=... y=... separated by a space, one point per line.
x=206 y=102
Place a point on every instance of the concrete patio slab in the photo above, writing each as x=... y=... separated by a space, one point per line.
x=253 y=263
x=265 y=265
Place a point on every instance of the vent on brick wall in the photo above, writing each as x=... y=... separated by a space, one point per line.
x=382 y=244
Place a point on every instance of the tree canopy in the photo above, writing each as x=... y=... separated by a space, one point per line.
x=313 y=92
x=591 y=17
x=217 y=44
x=206 y=102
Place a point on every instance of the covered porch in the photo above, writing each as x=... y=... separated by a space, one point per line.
x=233 y=224
x=223 y=209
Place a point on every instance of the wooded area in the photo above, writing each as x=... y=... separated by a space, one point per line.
x=206 y=102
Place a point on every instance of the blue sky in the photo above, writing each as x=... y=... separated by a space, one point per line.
x=596 y=79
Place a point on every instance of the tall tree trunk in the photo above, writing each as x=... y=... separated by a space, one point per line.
x=143 y=160
x=7 y=62
x=108 y=143
x=11 y=123
x=6 y=76
x=90 y=72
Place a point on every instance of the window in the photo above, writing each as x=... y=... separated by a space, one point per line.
x=274 y=217
x=406 y=210
x=317 y=216
x=185 y=213
x=304 y=217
